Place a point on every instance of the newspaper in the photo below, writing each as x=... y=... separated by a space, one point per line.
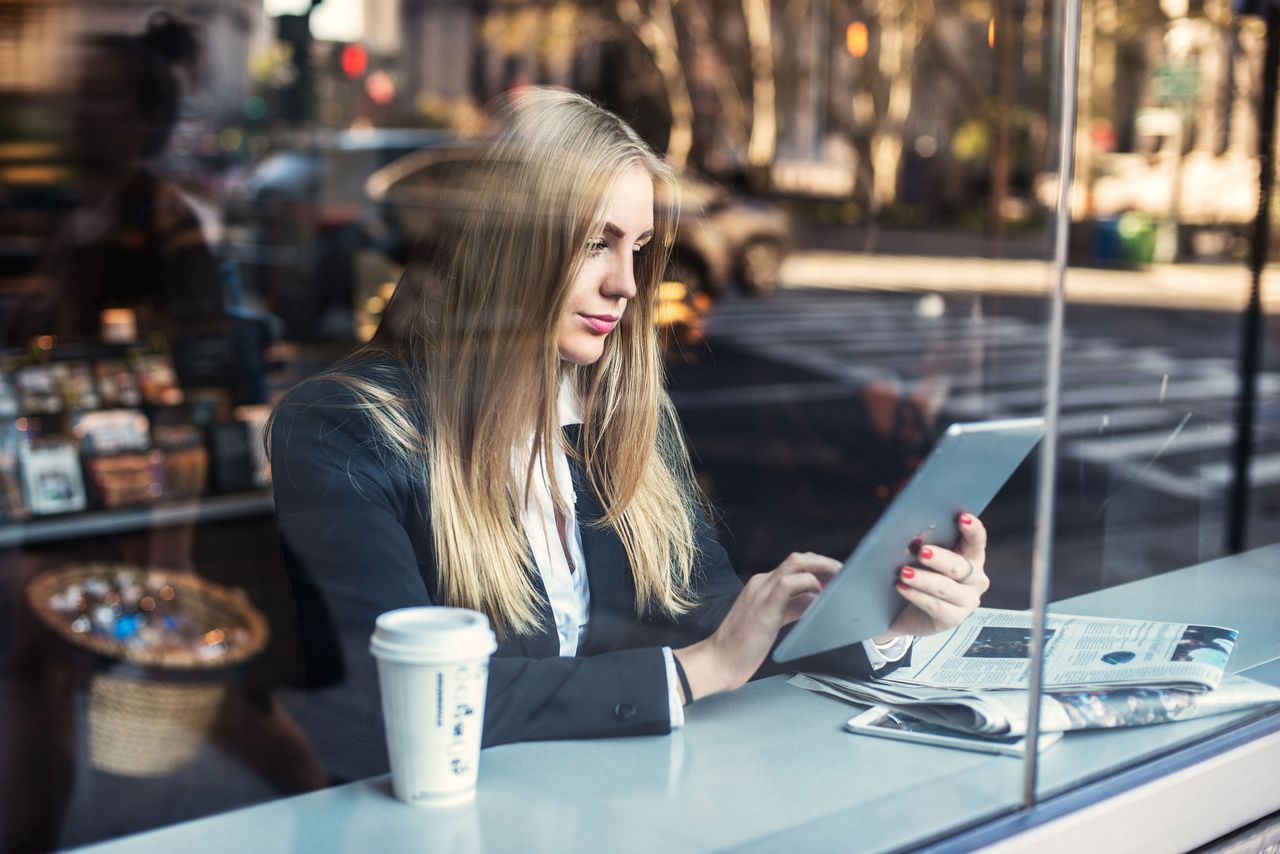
x=1099 y=673
x=991 y=650
x=1003 y=713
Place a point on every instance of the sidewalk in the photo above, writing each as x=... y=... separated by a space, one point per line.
x=1215 y=287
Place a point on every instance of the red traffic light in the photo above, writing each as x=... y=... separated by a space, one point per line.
x=355 y=60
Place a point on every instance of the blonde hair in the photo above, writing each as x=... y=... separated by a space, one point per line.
x=473 y=324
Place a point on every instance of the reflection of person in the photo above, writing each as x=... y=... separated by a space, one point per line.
x=505 y=443
x=134 y=241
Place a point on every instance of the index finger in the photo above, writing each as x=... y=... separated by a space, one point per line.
x=824 y=568
x=973 y=537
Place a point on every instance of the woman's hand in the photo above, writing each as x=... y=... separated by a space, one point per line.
x=944 y=587
x=769 y=601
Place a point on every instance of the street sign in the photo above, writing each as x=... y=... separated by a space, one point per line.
x=1176 y=84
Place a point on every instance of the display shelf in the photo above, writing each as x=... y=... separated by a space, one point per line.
x=97 y=523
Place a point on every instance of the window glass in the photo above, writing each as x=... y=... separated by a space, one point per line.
x=204 y=207
x=1161 y=514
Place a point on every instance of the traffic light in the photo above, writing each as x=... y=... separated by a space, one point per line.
x=354 y=60
x=857 y=40
x=297 y=98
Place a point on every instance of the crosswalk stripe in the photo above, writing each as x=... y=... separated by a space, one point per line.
x=1112 y=448
x=1121 y=404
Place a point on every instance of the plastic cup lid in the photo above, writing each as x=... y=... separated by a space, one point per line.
x=432 y=633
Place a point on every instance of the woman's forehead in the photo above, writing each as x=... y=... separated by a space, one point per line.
x=629 y=202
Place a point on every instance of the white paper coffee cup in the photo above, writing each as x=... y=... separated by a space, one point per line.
x=433 y=666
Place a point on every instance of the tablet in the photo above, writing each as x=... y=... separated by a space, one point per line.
x=962 y=474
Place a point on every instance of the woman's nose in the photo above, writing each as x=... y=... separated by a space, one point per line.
x=622 y=279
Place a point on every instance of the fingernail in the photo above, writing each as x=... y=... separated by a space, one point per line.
x=966 y=519
x=908 y=572
x=926 y=552
x=900 y=585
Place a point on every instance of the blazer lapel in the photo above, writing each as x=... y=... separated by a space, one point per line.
x=613 y=591
x=544 y=644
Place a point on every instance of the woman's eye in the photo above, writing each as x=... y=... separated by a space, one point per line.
x=596 y=246
x=641 y=251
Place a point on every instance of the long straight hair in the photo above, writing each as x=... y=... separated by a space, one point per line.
x=473 y=326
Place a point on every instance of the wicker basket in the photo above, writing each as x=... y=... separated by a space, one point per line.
x=151 y=718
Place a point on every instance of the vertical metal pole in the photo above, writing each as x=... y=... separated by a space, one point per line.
x=822 y=68
x=1042 y=554
x=1251 y=336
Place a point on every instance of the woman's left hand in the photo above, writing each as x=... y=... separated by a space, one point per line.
x=943 y=587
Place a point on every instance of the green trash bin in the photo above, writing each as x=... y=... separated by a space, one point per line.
x=1137 y=238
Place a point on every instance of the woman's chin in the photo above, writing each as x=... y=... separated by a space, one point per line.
x=582 y=353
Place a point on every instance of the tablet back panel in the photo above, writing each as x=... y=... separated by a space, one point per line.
x=965 y=470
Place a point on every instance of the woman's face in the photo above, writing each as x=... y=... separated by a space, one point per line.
x=109 y=135
x=598 y=296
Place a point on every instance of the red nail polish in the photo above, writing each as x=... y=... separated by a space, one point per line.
x=926 y=553
x=900 y=585
x=908 y=572
x=966 y=519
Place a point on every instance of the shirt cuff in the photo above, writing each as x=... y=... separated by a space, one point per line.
x=674 y=705
x=893 y=651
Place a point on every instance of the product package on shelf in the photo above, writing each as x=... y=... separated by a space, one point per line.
x=9 y=403
x=117 y=384
x=112 y=431
x=185 y=460
x=109 y=425
x=74 y=381
x=119 y=463
x=231 y=460
x=125 y=480
x=38 y=390
x=51 y=478
x=12 y=504
x=157 y=379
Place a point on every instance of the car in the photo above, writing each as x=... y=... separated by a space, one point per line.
x=296 y=221
x=723 y=239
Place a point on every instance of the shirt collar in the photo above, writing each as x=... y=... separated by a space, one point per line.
x=567 y=404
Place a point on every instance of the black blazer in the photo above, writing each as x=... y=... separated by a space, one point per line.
x=357 y=542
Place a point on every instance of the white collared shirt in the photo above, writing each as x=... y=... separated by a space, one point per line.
x=569 y=593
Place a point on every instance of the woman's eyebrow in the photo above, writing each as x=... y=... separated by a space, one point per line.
x=613 y=231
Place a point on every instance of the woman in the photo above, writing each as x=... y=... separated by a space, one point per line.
x=505 y=443
x=134 y=240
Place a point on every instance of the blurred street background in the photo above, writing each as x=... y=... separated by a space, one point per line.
x=866 y=249
x=865 y=256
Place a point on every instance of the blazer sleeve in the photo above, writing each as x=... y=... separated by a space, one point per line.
x=340 y=511
x=717 y=586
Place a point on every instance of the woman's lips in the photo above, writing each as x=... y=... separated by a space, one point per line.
x=600 y=323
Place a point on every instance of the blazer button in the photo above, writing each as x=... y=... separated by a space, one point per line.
x=624 y=711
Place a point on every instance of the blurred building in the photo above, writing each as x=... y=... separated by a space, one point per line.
x=36 y=36
x=382 y=26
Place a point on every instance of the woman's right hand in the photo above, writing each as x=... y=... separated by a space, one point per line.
x=729 y=657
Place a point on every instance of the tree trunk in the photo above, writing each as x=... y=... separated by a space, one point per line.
x=898 y=37
x=657 y=32
x=764 y=119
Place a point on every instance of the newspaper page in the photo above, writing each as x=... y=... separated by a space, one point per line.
x=991 y=650
x=1004 y=713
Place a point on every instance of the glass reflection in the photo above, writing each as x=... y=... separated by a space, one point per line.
x=862 y=262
